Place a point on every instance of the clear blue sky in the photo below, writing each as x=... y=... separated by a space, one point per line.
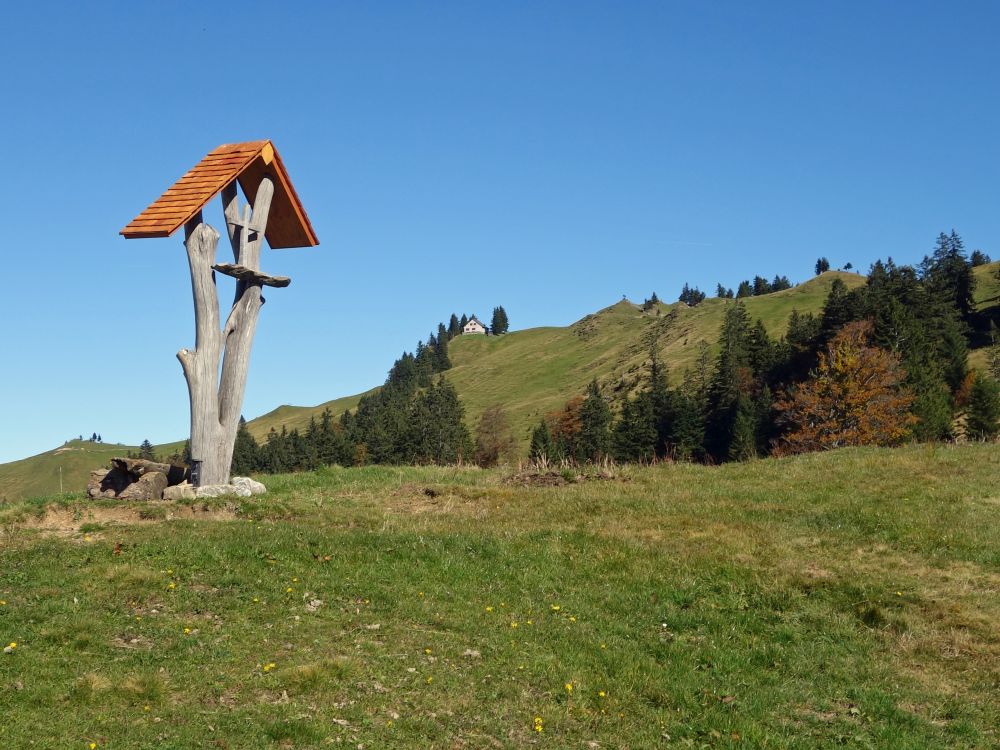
x=549 y=157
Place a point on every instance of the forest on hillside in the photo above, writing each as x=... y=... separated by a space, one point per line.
x=881 y=364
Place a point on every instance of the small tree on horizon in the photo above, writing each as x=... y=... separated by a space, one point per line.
x=822 y=266
x=146 y=450
x=499 y=324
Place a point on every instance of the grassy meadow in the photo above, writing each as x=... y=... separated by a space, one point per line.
x=839 y=599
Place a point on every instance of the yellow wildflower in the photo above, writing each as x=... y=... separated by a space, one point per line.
x=295 y=580
x=556 y=607
x=171 y=585
x=427 y=651
x=489 y=609
x=421 y=595
x=569 y=687
x=187 y=631
x=92 y=745
x=601 y=694
x=268 y=667
x=3 y=603
x=288 y=590
x=430 y=680
x=513 y=624
x=572 y=619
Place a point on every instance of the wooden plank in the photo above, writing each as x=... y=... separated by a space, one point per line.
x=250 y=276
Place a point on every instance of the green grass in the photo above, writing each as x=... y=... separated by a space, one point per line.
x=846 y=598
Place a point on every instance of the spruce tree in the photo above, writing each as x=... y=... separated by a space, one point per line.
x=948 y=276
x=761 y=286
x=743 y=439
x=594 y=442
x=983 y=408
x=499 y=325
x=441 y=360
x=453 y=326
x=744 y=290
x=732 y=378
x=462 y=323
x=543 y=447
x=978 y=258
x=822 y=266
x=146 y=450
x=634 y=436
x=246 y=452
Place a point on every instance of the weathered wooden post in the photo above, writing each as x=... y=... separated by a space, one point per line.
x=273 y=211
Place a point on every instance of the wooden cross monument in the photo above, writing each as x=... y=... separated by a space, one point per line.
x=273 y=211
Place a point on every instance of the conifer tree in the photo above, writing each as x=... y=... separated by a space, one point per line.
x=499 y=324
x=246 y=458
x=761 y=286
x=441 y=360
x=594 y=442
x=743 y=439
x=744 y=290
x=978 y=258
x=146 y=450
x=948 y=275
x=543 y=447
x=983 y=408
x=822 y=266
x=634 y=436
x=463 y=322
x=453 y=326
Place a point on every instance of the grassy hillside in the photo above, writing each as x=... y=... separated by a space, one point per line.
x=40 y=475
x=530 y=371
x=830 y=600
x=535 y=371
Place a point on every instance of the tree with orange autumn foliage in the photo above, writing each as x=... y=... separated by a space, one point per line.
x=565 y=426
x=854 y=397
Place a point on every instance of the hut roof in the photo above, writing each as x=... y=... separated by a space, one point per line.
x=287 y=224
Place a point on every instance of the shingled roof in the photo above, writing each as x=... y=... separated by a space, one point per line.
x=250 y=162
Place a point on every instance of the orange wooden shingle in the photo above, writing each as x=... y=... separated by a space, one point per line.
x=250 y=162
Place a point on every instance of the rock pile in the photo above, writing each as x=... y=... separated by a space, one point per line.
x=139 y=479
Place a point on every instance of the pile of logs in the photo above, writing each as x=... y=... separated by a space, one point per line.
x=139 y=479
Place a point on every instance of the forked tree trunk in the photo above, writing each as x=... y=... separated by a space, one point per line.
x=215 y=401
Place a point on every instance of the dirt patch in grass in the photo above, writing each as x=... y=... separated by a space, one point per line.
x=417 y=499
x=72 y=521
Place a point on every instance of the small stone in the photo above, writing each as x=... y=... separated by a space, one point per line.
x=182 y=491
x=255 y=487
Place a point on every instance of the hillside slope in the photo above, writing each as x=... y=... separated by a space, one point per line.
x=530 y=372
x=535 y=371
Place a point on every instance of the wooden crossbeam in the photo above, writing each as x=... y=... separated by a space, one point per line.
x=250 y=276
